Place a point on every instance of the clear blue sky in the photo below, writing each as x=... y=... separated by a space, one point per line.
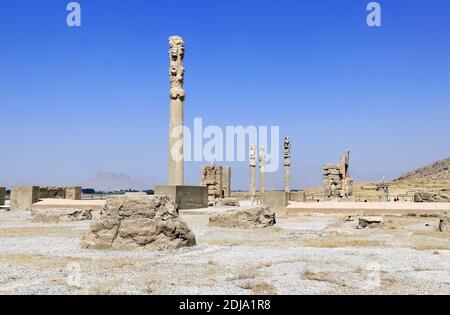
x=77 y=101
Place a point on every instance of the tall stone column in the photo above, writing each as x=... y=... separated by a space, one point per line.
x=262 y=169
x=252 y=171
x=287 y=164
x=177 y=97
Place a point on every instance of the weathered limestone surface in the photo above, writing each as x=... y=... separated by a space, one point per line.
x=244 y=218
x=337 y=182
x=444 y=223
x=135 y=194
x=147 y=222
x=287 y=164
x=298 y=196
x=2 y=195
x=212 y=177
x=226 y=181
x=218 y=181
x=426 y=196
x=227 y=202
x=177 y=97
x=370 y=222
x=275 y=200
x=186 y=197
x=73 y=193
x=23 y=197
x=52 y=192
x=61 y=215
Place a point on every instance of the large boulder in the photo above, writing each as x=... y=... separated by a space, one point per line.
x=244 y=218
x=148 y=222
x=60 y=215
x=444 y=223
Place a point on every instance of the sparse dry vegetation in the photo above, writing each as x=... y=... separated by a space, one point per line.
x=340 y=241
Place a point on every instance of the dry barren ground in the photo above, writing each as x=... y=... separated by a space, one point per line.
x=300 y=255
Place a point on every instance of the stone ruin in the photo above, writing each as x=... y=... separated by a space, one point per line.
x=61 y=215
x=23 y=197
x=177 y=98
x=444 y=222
x=217 y=179
x=72 y=193
x=252 y=164
x=2 y=196
x=147 y=222
x=287 y=164
x=244 y=218
x=336 y=179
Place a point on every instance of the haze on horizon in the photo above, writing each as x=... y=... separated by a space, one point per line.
x=78 y=101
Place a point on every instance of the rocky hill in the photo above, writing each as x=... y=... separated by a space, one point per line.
x=433 y=178
x=437 y=171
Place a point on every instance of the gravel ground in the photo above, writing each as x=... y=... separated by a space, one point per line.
x=300 y=255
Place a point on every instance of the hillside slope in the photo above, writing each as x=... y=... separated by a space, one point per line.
x=434 y=178
x=436 y=171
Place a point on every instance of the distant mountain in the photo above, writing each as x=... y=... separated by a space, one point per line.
x=109 y=181
x=437 y=171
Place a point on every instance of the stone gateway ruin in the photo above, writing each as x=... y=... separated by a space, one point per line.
x=218 y=180
x=337 y=182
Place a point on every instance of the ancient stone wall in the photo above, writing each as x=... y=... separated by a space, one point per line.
x=52 y=192
x=212 y=177
x=218 y=180
x=73 y=193
x=337 y=182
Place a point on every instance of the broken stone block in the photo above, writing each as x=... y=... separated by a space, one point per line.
x=73 y=193
x=370 y=222
x=444 y=223
x=147 y=222
x=227 y=202
x=426 y=196
x=60 y=215
x=244 y=218
x=23 y=197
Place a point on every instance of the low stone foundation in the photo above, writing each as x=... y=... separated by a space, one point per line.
x=61 y=215
x=244 y=218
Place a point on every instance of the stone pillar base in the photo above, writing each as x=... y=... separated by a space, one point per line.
x=23 y=197
x=277 y=201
